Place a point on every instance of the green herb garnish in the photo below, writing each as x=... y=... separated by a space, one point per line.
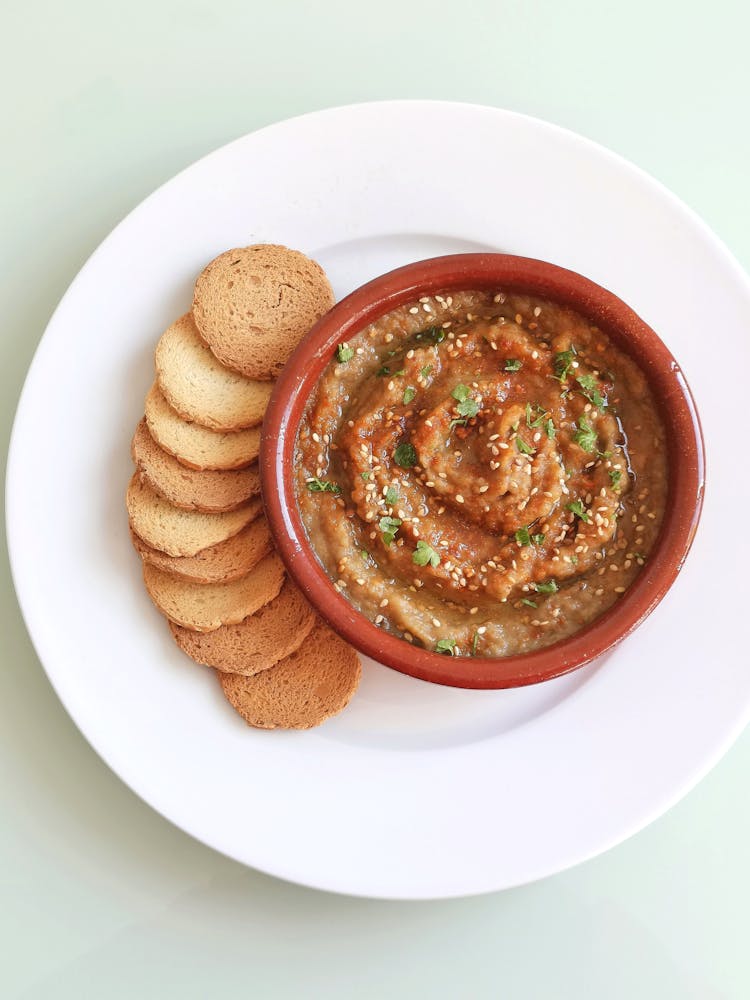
x=563 y=363
x=585 y=436
x=391 y=496
x=614 y=477
x=528 y=602
x=446 y=646
x=590 y=389
x=524 y=448
x=389 y=528
x=474 y=644
x=409 y=395
x=425 y=554
x=523 y=537
x=433 y=334
x=344 y=353
x=405 y=455
x=383 y=371
x=538 y=539
x=513 y=365
x=577 y=508
x=549 y=428
x=550 y=587
x=424 y=372
x=323 y=486
x=365 y=475
x=540 y=414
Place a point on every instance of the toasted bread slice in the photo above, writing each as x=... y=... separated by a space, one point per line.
x=211 y=491
x=199 y=388
x=253 y=305
x=195 y=446
x=179 y=532
x=220 y=563
x=257 y=643
x=302 y=690
x=207 y=606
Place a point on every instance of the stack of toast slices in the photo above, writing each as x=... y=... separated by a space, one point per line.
x=194 y=507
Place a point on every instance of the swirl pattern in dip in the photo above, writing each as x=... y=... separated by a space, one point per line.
x=482 y=474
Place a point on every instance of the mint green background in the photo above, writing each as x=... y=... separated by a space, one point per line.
x=101 y=103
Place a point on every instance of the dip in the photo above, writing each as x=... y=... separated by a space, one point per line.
x=481 y=474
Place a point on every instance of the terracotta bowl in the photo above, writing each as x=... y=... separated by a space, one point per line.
x=485 y=271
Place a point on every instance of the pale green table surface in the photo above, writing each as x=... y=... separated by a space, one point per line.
x=101 y=103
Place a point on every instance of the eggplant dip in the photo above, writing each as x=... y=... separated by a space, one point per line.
x=482 y=474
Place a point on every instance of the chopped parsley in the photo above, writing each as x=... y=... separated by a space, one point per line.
x=365 y=475
x=344 y=353
x=425 y=555
x=536 y=412
x=529 y=603
x=563 y=363
x=389 y=528
x=391 y=496
x=615 y=476
x=474 y=644
x=524 y=448
x=384 y=371
x=467 y=407
x=523 y=537
x=549 y=428
x=433 y=335
x=585 y=436
x=513 y=365
x=424 y=372
x=590 y=389
x=577 y=508
x=322 y=486
x=365 y=554
x=405 y=455
x=446 y=646
x=550 y=587
x=409 y=395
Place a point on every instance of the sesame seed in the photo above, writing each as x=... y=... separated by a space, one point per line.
x=483 y=489
x=459 y=498
x=427 y=307
x=537 y=311
x=436 y=622
x=619 y=590
x=384 y=603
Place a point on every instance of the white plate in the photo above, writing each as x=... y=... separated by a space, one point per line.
x=416 y=791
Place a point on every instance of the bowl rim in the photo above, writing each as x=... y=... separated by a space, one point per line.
x=483 y=271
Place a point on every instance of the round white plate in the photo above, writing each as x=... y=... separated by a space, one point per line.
x=416 y=791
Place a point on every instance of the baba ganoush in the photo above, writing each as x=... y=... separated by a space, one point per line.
x=482 y=474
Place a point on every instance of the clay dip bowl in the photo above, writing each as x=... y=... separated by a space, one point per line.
x=487 y=271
